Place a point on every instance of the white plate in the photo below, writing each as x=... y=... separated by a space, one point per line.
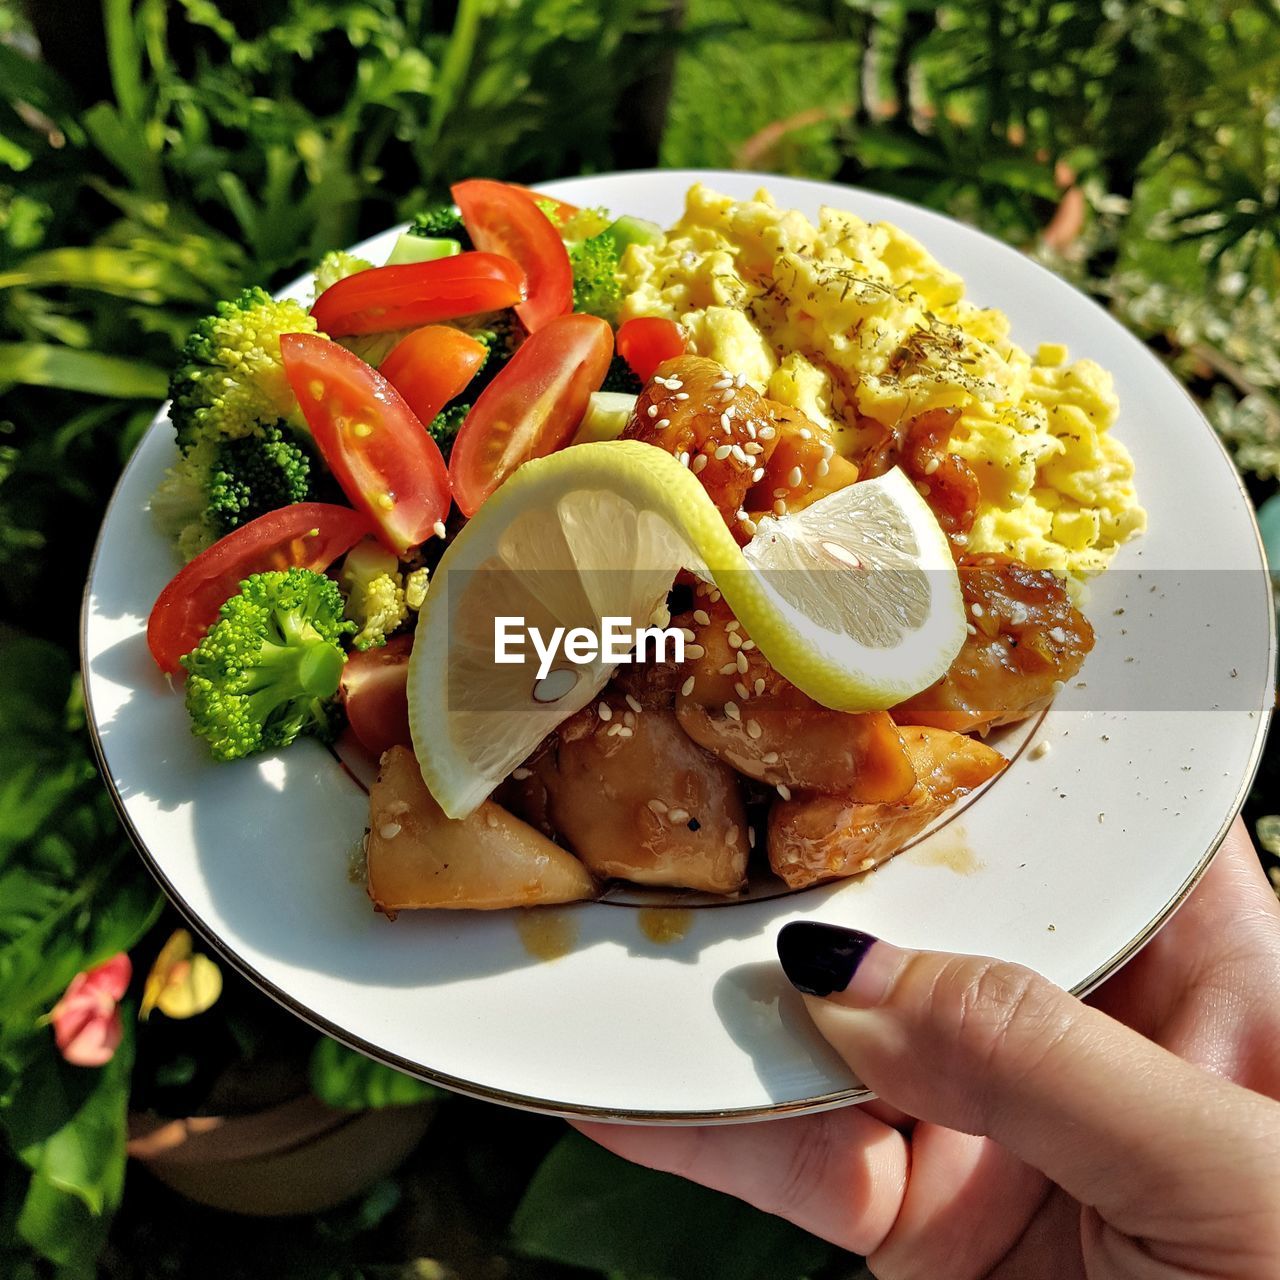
x=1163 y=741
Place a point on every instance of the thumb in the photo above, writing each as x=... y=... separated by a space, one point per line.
x=991 y=1048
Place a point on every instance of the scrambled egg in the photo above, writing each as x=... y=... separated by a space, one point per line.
x=850 y=321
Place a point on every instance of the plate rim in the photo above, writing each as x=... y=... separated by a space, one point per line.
x=569 y=1110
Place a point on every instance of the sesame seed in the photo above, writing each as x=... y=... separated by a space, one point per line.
x=731 y=710
x=751 y=430
x=657 y=806
x=724 y=422
x=624 y=731
x=828 y=451
x=689 y=633
x=747 y=522
x=794 y=477
x=976 y=609
x=923 y=489
x=731 y=836
x=694 y=651
x=932 y=465
x=726 y=381
x=687 y=688
x=1057 y=686
x=753 y=729
x=674 y=384
x=634 y=703
x=738 y=455
x=679 y=815
x=652 y=411
x=770 y=757
x=742 y=660
x=784 y=791
x=728 y=669
x=521 y=773
x=748 y=644
x=698 y=463
x=970 y=628
x=386 y=501
x=759 y=685
x=715 y=597
x=663 y=423
x=753 y=448
x=751 y=837
x=1039 y=751
x=722 y=452
x=490 y=818
x=726 y=395
x=805 y=433
x=1057 y=635
x=683 y=457
x=735 y=640
x=757 y=475
x=741 y=690
x=702 y=617
x=780 y=507
x=733 y=625
x=362 y=429
x=682 y=395
x=767 y=433
x=439 y=530
x=740 y=380
x=604 y=710
x=389 y=831
x=614 y=729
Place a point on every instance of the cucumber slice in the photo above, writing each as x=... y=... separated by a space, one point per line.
x=411 y=248
x=628 y=230
x=607 y=415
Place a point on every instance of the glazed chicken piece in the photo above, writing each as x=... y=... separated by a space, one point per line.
x=1025 y=638
x=696 y=410
x=815 y=838
x=419 y=858
x=945 y=481
x=733 y=703
x=802 y=468
x=636 y=799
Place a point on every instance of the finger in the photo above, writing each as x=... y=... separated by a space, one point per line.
x=1203 y=987
x=990 y=1048
x=839 y=1174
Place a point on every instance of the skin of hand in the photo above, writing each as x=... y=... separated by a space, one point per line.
x=1019 y=1132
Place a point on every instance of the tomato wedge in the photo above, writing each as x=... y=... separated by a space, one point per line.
x=378 y=451
x=645 y=342
x=532 y=407
x=373 y=692
x=503 y=219
x=431 y=365
x=306 y=535
x=381 y=299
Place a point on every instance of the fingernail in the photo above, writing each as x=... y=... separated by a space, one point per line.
x=825 y=959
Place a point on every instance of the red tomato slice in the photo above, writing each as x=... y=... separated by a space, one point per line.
x=503 y=219
x=644 y=343
x=381 y=299
x=373 y=691
x=306 y=535
x=532 y=407
x=381 y=455
x=430 y=366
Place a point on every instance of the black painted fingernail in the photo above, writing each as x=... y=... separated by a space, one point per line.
x=821 y=958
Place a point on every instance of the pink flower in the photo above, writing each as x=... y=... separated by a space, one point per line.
x=86 y=1021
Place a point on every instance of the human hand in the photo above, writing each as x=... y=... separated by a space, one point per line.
x=1138 y=1138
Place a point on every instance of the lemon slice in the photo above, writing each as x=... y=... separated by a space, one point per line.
x=856 y=601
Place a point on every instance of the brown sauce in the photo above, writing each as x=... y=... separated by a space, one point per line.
x=547 y=934
x=665 y=924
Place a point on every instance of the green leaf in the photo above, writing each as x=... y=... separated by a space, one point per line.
x=588 y=1208
x=346 y=1079
x=40 y=364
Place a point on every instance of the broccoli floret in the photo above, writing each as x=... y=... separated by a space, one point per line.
x=443 y=222
x=337 y=265
x=180 y=504
x=586 y=223
x=501 y=333
x=268 y=669
x=620 y=378
x=230 y=379
x=444 y=427
x=375 y=595
x=256 y=474
x=596 y=287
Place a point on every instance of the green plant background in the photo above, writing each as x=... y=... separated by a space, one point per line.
x=157 y=155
